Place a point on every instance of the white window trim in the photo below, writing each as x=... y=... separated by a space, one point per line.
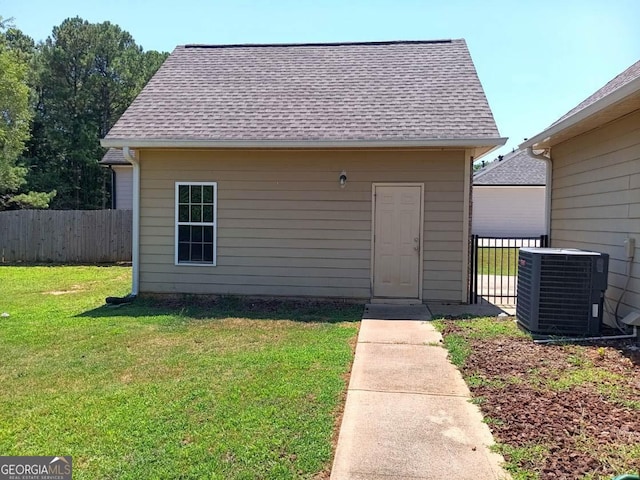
x=215 y=225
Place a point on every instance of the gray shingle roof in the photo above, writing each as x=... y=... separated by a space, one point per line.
x=312 y=92
x=113 y=156
x=516 y=168
x=621 y=80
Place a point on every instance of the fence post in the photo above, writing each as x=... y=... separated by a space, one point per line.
x=544 y=241
x=473 y=285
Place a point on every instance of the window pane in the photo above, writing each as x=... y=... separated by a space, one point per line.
x=196 y=252
x=183 y=252
x=207 y=194
x=183 y=233
x=208 y=234
x=183 y=194
x=196 y=213
x=207 y=213
x=196 y=193
x=183 y=213
x=196 y=242
x=196 y=234
x=207 y=252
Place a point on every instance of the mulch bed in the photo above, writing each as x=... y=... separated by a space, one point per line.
x=584 y=427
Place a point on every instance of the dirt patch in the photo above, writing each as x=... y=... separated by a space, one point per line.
x=72 y=289
x=578 y=406
x=280 y=308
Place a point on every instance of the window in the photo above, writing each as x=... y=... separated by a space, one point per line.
x=196 y=223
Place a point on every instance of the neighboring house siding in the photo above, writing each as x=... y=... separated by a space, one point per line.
x=285 y=227
x=508 y=211
x=124 y=187
x=596 y=199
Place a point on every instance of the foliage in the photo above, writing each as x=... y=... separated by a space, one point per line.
x=16 y=56
x=74 y=86
x=151 y=390
x=88 y=74
x=14 y=119
x=30 y=199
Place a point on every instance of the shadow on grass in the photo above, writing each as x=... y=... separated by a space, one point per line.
x=455 y=311
x=196 y=307
x=462 y=316
x=69 y=264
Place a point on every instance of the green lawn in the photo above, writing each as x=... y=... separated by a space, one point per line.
x=498 y=261
x=174 y=390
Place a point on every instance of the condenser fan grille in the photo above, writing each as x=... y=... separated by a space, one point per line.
x=558 y=292
x=525 y=289
x=565 y=293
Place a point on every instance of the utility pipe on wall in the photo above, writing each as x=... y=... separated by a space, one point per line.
x=587 y=339
x=113 y=188
x=547 y=191
x=131 y=157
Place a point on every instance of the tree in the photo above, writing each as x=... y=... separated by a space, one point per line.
x=15 y=116
x=87 y=75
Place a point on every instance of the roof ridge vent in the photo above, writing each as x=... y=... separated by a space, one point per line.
x=319 y=44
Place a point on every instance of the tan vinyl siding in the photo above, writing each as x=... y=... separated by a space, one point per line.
x=285 y=227
x=596 y=200
x=124 y=187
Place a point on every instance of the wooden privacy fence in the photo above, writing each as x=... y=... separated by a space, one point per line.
x=65 y=236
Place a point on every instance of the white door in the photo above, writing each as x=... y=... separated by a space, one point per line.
x=397 y=241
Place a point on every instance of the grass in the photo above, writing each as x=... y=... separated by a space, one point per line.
x=608 y=384
x=459 y=349
x=498 y=261
x=458 y=344
x=180 y=390
x=522 y=459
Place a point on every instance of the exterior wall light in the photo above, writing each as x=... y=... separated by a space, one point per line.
x=343 y=179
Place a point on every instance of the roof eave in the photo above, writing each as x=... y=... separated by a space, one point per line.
x=303 y=144
x=508 y=184
x=545 y=138
x=114 y=164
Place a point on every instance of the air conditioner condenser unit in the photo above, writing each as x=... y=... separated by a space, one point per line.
x=561 y=291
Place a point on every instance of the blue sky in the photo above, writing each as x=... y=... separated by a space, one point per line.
x=536 y=59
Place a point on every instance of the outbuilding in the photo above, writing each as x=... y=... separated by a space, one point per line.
x=594 y=156
x=509 y=197
x=322 y=170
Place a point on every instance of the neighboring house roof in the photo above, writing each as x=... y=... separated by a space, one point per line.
x=114 y=156
x=516 y=168
x=618 y=97
x=410 y=92
x=621 y=80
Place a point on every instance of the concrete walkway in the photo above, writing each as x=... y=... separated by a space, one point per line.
x=407 y=414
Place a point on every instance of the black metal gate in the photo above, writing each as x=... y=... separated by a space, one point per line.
x=494 y=267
